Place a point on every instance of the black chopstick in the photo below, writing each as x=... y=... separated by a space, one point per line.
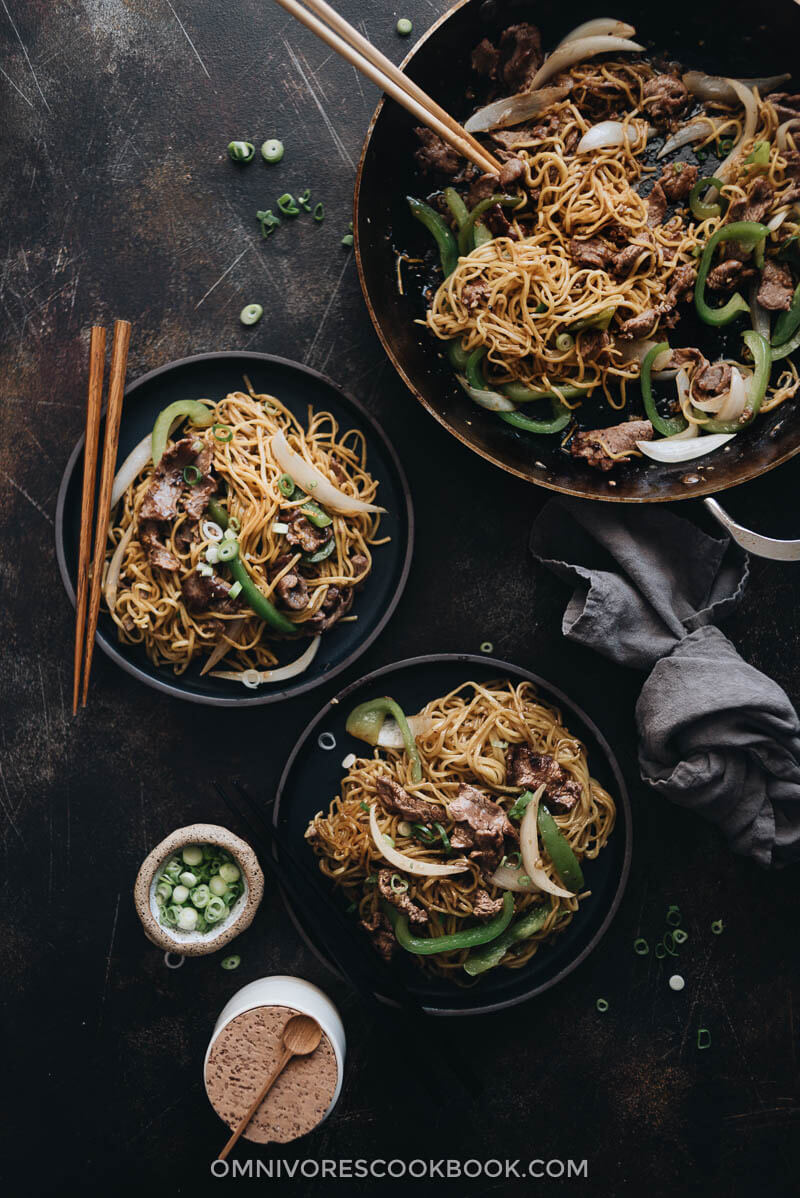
x=347 y=950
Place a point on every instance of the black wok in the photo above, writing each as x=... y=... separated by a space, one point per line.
x=735 y=38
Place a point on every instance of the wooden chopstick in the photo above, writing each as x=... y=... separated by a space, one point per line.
x=116 y=390
x=403 y=91
x=355 y=39
x=94 y=403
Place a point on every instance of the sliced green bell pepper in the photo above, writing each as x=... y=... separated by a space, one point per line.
x=427 y=946
x=466 y=238
x=437 y=226
x=666 y=425
x=366 y=721
x=749 y=233
x=482 y=959
x=197 y=412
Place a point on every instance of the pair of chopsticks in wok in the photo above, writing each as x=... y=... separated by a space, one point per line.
x=90 y=561
x=405 y=1024
x=332 y=29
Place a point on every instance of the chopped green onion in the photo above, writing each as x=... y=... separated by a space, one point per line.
x=319 y=212
x=222 y=432
x=514 y=860
x=272 y=150
x=286 y=486
x=229 y=872
x=189 y=879
x=674 y=916
x=445 y=839
x=235 y=591
x=234 y=524
x=398 y=885
x=163 y=893
x=251 y=314
x=520 y=805
x=703 y=1037
x=660 y=951
x=423 y=831
x=180 y=894
x=192 y=854
x=347 y=239
x=725 y=145
x=231 y=962
x=404 y=828
x=241 y=151
x=192 y=475
x=717 y=927
x=487 y=647
x=564 y=342
x=286 y=205
x=304 y=198
x=641 y=947
x=669 y=944
x=364 y=806
x=268 y=221
x=201 y=895
x=676 y=982
x=679 y=936
x=227 y=551
x=404 y=26
x=602 y=1005
x=187 y=919
x=216 y=910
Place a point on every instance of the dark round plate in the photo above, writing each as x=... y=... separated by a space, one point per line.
x=313 y=775
x=705 y=37
x=214 y=375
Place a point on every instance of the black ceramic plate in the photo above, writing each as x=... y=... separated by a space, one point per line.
x=313 y=775
x=213 y=376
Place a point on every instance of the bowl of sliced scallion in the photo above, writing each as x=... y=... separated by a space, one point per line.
x=198 y=889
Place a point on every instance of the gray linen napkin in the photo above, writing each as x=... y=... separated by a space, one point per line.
x=715 y=734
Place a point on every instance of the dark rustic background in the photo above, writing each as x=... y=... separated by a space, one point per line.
x=118 y=200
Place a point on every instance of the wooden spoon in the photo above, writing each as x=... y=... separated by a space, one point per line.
x=301 y=1035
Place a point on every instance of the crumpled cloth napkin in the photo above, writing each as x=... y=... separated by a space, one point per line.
x=715 y=734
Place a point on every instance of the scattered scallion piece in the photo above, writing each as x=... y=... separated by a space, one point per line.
x=235 y=591
x=397 y=884
x=676 y=982
x=319 y=212
x=679 y=936
x=641 y=947
x=347 y=239
x=268 y=221
x=703 y=1037
x=404 y=26
x=364 y=806
x=669 y=944
x=660 y=951
x=674 y=916
x=717 y=927
x=303 y=200
x=241 y=151
x=222 y=432
x=286 y=486
x=251 y=314
x=192 y=899
x=602 y=1005
x=487 y=647
x=272 y=150
x=231 y=962
x=404 y=828
x=191 y=475
x=445 y=839
x=286 y=205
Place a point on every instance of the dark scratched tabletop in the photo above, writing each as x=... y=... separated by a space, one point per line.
x=118 y=200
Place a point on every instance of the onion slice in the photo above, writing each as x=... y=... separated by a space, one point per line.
x=222 y=647
x=114 y=568
x=513 y=110
x=599 y=26
x=670 y=450
x=509 y=879
x=694 y=131
x=278 y=674
x=390 y=736
x=410 y=865
x=733 y=403
x=529 y=847
x=610 y=133
x=716 y=87
x=493 y=401
x=576 y=51
x=750 y=121
x=782 y=130
x=314 y=483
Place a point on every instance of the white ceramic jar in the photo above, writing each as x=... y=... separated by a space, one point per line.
x=306 y=1095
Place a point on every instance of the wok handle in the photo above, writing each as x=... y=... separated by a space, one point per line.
x=753 y=542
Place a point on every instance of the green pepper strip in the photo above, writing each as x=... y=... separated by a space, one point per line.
x=438 y=228
x=318 y=517
x=788 y=323
x=482 y=235
x=482 y=959
x=197 y=412
x=559 y=850
x=457 y=355
x=600 y=320
x=427 y=946
x=667 y=426
x=699 y=209
x=560 y=419
x=522 y=393
x=456 y=205
x=466 y=236
x=321 y=554
x=520 y=805
x=264 y=609
x=787 y=348
x=749 y=233
x=762 y=357
x=366 y=721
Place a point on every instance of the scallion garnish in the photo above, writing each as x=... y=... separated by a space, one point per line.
x=641 y=947
x=319 y=212
x=397 y=884
x=487 y=647
x=231 y=962
x=304 y=198
x=679 y=936
x=602 y=1005
x=241 y=151
x=669 y=944
x=703 y=1037
x=660 y=951
x=347 y=239
x=235 y=591
x=674 y=915
x=272 y=150
x=445 y=839
x=286 y=486
x=717 y=927
x=191 y=475
x=268 y=221
x=286 y=205
x=251 y=314
x=404 y=26
x=364 y=806
x=676 y=982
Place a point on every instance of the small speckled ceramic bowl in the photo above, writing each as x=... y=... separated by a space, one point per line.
x=197 y=944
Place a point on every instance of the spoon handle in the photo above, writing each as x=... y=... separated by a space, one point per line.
x=256 y=1103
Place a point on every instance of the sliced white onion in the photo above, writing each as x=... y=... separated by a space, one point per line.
x=672 y=451
x=782 y=130
x=736 y=398
x=390 y=736
x=775 y=223
x=115 y=567
x=637 y=351
x=314 y=483
x=220 y=649
x=686 y=135
x=576 y=51
x=513 y=110
x=253 y=678
x=715 y=87
x=410 y=865
x=509 y=879
x=529 y=847
x=600 y=25
x=139 y=457
x=493 y=401
x=750 y=120
x=610 y=133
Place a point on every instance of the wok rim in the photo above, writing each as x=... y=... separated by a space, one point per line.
x=705 y=487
